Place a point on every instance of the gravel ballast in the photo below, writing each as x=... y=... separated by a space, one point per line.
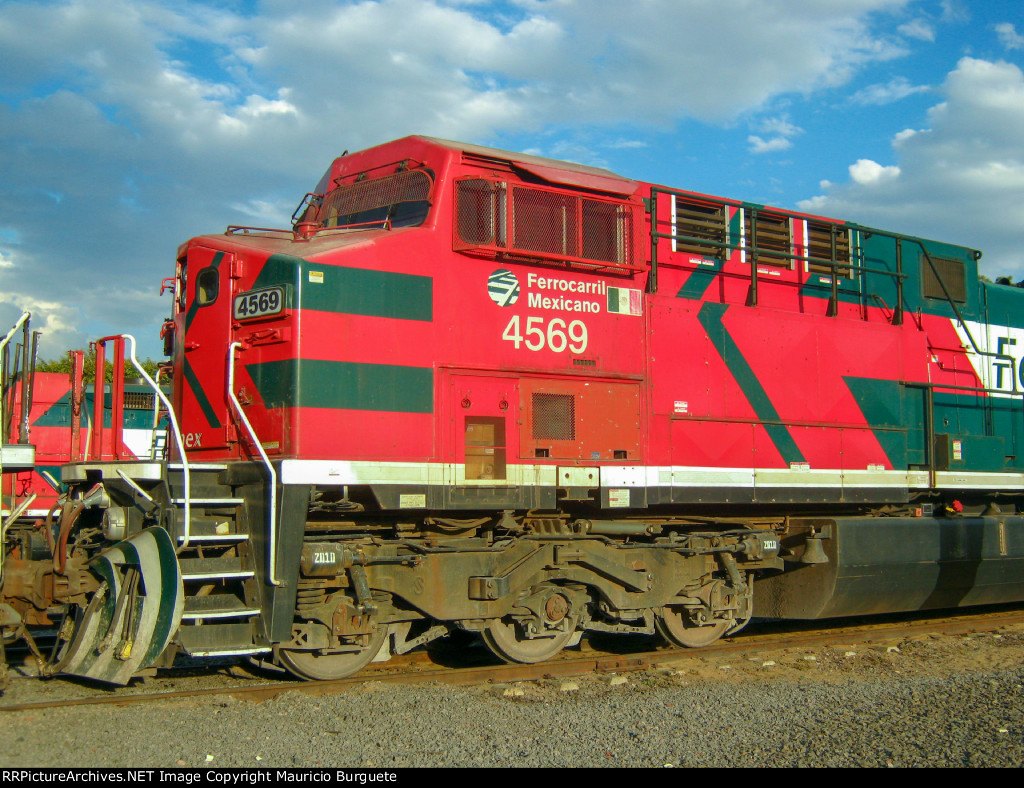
x=929 y=701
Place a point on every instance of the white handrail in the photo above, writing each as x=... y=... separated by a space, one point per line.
x=3 y=438
x=272 y=519
x=3 y=343
x=187 y=525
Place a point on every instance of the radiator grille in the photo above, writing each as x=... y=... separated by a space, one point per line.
x=138 y=400
x=543 y=223
x=554 y=417
x=481 y=213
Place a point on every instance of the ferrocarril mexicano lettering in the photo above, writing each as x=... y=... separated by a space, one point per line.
x=536 y=300
x=534 y=282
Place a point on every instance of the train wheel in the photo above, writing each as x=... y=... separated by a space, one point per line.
x=675 y=625
x=317 y=666
x=507 y=640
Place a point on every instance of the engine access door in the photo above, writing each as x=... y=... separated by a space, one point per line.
x=204 y=323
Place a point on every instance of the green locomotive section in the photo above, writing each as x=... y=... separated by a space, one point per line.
x=350 y=291
x=969 y=433
x=59 y=413
x=342 y=385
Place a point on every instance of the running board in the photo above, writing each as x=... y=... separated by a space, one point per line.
x=215 y=538
x=211 y=502
x=198 y=466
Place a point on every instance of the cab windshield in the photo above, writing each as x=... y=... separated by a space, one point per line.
x=398 y=200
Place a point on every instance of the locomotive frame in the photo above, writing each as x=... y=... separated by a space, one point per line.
x=479 y=390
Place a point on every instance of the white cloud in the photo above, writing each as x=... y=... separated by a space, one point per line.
x=782 y=129
x=758 y=145
x=1009 y=37
x=870 y=173
x=623 y=144
x=894 y=90
x=781 y=126
x=918 y=28
x=961 y=180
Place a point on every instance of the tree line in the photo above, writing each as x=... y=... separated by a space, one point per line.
x=62 y=365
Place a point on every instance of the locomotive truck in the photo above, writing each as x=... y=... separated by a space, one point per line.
x=485 y=391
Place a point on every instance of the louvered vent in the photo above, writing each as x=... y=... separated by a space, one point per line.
x=701 y=228
x=769 y=234
x=819 y=246
x=952 y=273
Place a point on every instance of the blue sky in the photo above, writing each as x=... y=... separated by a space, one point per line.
x=127 y=127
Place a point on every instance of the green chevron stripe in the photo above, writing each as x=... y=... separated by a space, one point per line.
x=200 y=395
x=710 y=317
x=698 y=282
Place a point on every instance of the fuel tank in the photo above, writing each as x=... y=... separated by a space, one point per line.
x=896 y=564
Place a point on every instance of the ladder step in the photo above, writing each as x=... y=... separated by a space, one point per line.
x=219 y=640
x=213 y=530
x=216 y=606
x=213 y=569
x=200 y=502
x=233 y=652
x=198 y=466
x=194 y=538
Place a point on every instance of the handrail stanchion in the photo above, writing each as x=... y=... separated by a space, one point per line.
x=176 y=431
x=272 y=519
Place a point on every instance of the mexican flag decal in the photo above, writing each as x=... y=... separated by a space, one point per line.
x=623 y=301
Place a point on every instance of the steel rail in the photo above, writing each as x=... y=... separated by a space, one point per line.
x=570 y=666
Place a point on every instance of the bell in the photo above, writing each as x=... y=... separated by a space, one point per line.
x=814 y=553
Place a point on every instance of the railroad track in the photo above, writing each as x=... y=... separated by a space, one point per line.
x=595 y=656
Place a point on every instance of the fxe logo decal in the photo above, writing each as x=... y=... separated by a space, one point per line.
x=503 y=287
x=193 y=440
x=1003 y=371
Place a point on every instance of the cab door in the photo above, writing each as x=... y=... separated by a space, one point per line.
x=201 y=362
x=481 y=431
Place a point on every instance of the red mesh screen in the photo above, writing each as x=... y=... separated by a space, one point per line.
x=481 y=213
x=554 y=417
x=544 y=223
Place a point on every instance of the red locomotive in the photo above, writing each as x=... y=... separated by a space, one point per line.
x=488 y=391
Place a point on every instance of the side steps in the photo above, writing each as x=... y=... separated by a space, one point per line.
x=221 y=597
